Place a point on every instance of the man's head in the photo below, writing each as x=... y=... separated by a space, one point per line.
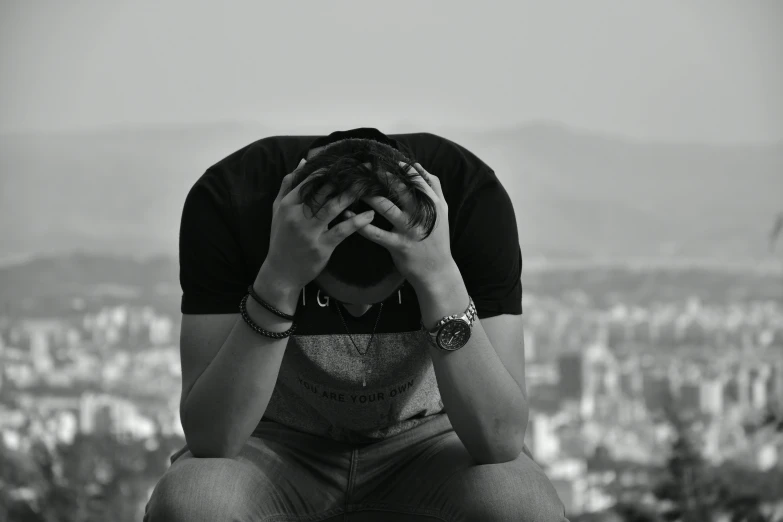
x=360 y=272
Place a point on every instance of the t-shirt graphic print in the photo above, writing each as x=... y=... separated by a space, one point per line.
x=326 y=386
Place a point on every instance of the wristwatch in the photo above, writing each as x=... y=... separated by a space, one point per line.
x=453 y=331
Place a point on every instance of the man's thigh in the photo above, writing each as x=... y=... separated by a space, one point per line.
x=281 y=475
x=428 y=472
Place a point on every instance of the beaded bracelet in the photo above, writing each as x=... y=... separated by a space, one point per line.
x=254 y=326
x=257 y=298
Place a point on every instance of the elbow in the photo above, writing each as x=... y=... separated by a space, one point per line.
x=505 y=451
x=208 y=443
x=205 y=447
x=498 y=451
x=509 y=445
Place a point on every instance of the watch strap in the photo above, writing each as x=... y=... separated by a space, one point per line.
x=468 y=316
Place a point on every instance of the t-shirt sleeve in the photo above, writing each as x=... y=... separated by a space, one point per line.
x=210 y=262
x=485 y=246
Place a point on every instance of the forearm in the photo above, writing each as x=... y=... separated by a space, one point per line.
x=484 y=403
x=227 y=401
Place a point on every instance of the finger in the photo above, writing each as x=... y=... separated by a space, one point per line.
x=389 y=240
x=339 y=232
x=426 y=181
x=434 y=182
x=320 y=200
x=399 y=192
x=323 y=194
x=295 y=195
x=388 y=210
x=336 y=205
x=287 y=183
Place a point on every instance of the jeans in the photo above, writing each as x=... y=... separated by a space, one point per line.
x=423 y=474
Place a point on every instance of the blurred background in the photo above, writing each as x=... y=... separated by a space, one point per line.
x=641 y=144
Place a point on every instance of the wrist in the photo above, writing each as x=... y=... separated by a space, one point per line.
x=444 y=296
x=275 y=291
x=438 y=284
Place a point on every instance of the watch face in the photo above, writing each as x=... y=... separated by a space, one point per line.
x=454 y=335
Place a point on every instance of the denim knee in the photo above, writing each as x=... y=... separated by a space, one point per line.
x=518 y=490
x=201 y=489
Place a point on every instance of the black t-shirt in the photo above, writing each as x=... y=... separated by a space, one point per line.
x=224 y=239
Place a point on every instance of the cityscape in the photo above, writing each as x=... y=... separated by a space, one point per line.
x=608 y=351
x=639 y=142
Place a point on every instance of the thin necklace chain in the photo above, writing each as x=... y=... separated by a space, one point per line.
x=349 y=333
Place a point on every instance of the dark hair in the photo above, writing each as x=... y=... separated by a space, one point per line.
x=358 y=261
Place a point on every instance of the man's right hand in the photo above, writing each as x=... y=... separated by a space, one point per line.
x=300 y=243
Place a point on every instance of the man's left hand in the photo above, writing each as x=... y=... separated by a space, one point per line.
x=423 y=262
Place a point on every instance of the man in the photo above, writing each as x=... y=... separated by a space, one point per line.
x=351 y=338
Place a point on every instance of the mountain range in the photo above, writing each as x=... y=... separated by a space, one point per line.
x=576 y=193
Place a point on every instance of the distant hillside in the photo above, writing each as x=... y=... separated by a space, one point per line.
x=575 y=193
x=116 y=191
x=609 y=196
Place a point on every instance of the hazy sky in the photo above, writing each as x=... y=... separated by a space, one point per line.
x=706 y=71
